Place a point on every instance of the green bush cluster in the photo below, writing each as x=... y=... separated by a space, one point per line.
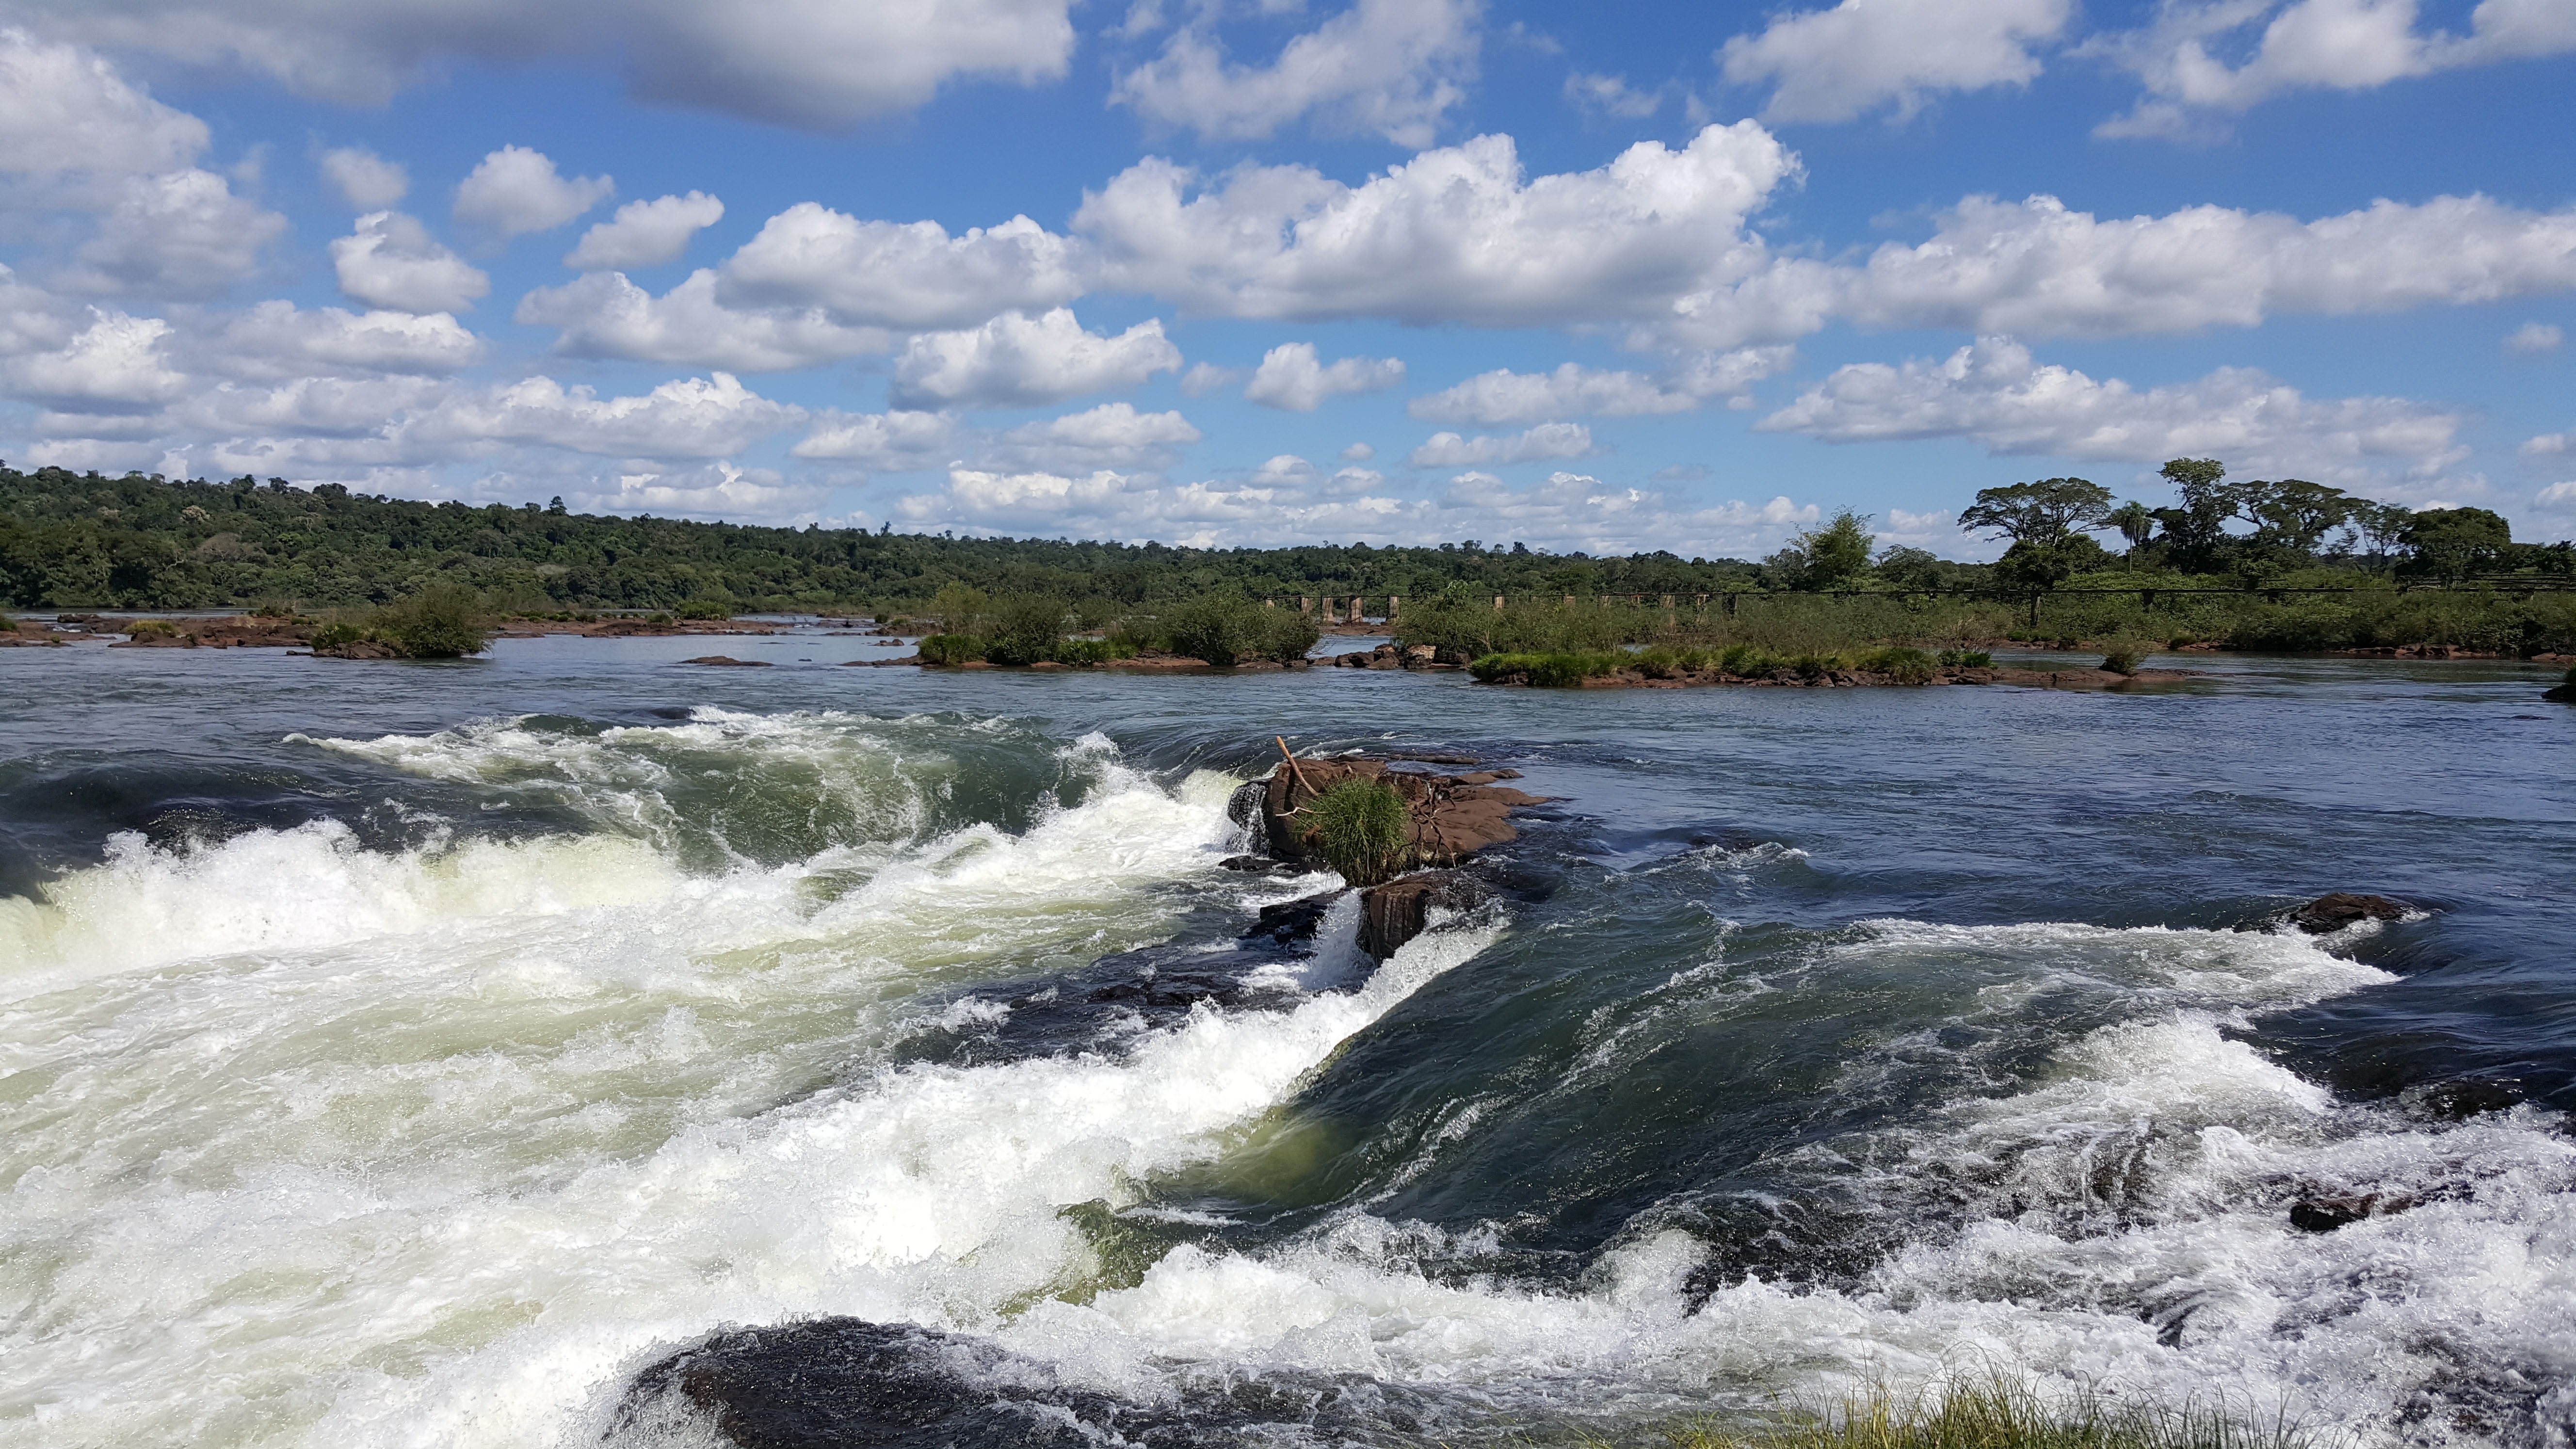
x=1547 y=671
x=1902 y=663
x=951 y=649
x=1226 y=631
x=1361 y=828
x=443 y=621
x=705 y=609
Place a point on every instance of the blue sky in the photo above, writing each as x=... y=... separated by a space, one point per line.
x=1609 y=278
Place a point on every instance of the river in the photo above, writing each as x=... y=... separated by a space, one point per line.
x=417 y=1054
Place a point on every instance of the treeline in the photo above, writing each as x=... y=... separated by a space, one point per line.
x=74 y=540
x=80 y=540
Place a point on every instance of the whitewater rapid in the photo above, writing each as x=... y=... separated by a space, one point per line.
x=320 y=1144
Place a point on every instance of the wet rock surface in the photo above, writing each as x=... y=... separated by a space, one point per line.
x=843 y=1383
x=2333 y=912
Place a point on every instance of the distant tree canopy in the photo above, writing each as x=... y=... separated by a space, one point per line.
x=81 y=540
x=71 y=540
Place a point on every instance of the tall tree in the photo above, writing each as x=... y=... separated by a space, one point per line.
x=2039 y=513
x=2450 y=544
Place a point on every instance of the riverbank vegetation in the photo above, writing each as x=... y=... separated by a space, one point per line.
x=442 y=621
x=2267 y=565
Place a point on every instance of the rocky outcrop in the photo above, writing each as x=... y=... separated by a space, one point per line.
x=727 y=661
x=1398 y=911
x=1393 y=656
x=1451 y=816
x=357 y=649
x=2329 y=913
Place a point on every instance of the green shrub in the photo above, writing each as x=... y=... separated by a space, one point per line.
x=2123 y=658
x=1811 y=667
x=1360 y=827
x=1899 y=663
x=1546 y=671
x=705 y=609
x=1085 y=652
x=1966 y=659
x=951 y=649
x=443 y=621
x=337 y=633
x=273 y=608
x=1023 y=628
x=658 y=617
x=1748 y=661
x=1225 y=631
x=1288 y=635
x=140 y=628
x=960 y=609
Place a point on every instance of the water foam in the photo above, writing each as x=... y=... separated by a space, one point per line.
x=426 y=1164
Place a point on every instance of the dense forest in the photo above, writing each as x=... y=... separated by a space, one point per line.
x=71 y=540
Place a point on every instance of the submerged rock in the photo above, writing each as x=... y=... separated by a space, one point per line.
x=727 y=661
x=2329 y=913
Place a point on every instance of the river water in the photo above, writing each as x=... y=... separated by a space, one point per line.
x=418 y=1054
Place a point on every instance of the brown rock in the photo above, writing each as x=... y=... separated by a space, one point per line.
x=2342 y=908
x=727 y=661
x=1451 y=818
x=1396 y=912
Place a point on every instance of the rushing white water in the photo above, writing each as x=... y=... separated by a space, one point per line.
x=312 y=1145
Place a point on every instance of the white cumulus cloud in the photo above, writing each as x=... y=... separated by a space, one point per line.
x=1458 y=234
x=2039 y=268
x=893 y=274
x=1016 y=360
x=1832 y=65
x=810 y=64
x=1547 y=440
x=182 y=235
x=390 y=260
x=64 y=109
x=1995 y=392
x=516 y=190
x=1503 y=397
x=2309 y=45
x=1390 y=68
x=2533 y=338
x=276 y=340
x=607 y=316
x=367 y=181
x=115 y=365
x=884 y=442
x=1291 y=377
x=1112 y=435
x=646 y=233
x=698 y=417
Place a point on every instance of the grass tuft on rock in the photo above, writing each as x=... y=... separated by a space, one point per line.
x=1360 y=828
x=1997 y=1413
